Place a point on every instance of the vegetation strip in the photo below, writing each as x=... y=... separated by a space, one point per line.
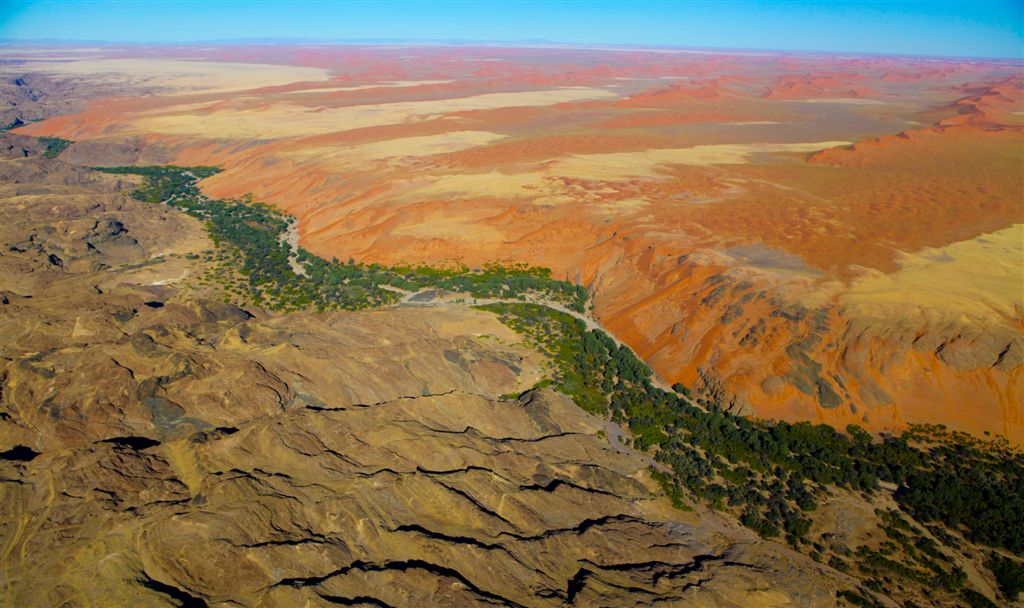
x=251 y=238
x=772 y=475
x=54 y=146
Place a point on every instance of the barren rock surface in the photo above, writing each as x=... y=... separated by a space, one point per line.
x=447 y=500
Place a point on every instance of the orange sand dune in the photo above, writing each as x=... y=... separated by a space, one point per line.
x=810 y=86
x=674 y=94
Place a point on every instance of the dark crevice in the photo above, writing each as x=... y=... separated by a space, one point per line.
x=696 y=563
x=465 y=469
x=213 y=434
x=576 y=584
x=659 y=569
x=184 y=599
x=289 y=542
x=401 y=566
x=471 y=431
x=19 y=453
x=384 y=471
x=326 y=408
x=133 y=442
x=131 y=374
x=667 y=545
x=554 y=484
x=1002 y=355
x=463 y=540
x=579 y=528
x=358 y=600
x=536 y=439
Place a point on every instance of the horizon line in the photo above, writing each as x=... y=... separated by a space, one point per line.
x=523 y=43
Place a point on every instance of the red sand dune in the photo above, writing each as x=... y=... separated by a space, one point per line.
x=676 y=94
x=812 y=86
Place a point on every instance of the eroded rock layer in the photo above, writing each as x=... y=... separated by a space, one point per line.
x=414 y=502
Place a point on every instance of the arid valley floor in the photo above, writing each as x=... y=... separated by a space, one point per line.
x=832 y=239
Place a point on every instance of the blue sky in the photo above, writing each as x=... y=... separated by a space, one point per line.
x=979 y=28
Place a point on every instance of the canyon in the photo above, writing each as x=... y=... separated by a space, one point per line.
x=415 y=325
x=187 y=452
x=826 y=238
